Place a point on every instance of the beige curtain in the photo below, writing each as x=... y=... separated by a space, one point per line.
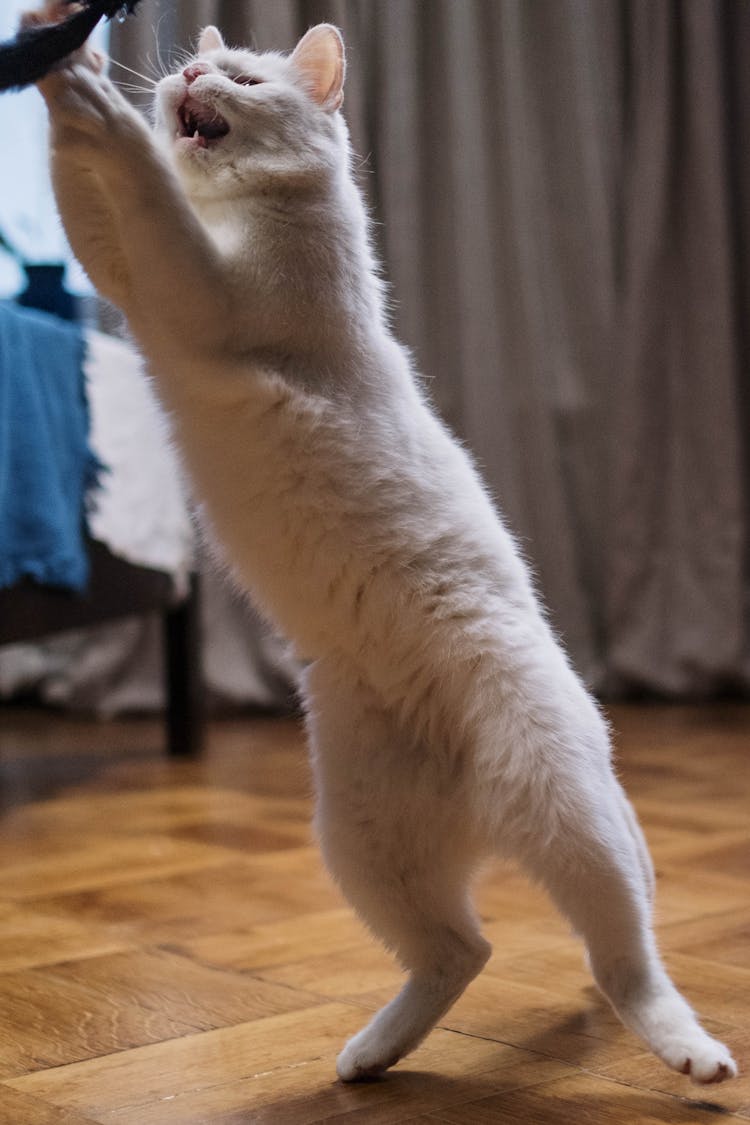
x=563 y=192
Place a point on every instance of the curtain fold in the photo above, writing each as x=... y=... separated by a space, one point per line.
x=677 y=560
x=561 y=196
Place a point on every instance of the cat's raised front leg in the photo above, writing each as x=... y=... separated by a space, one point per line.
x=89 y=218
x=92 y=225
x=178 y=274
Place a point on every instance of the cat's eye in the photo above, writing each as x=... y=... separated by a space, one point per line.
x=245 y=80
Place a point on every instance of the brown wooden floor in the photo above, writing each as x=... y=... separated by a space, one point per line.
x=171 y=951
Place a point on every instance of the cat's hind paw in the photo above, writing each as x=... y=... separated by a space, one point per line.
x=364 y=1057
x=705 y=1060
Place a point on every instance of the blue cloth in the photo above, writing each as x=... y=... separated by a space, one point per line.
x=45 y=464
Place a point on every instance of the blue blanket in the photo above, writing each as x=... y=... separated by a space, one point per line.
x=45 y=464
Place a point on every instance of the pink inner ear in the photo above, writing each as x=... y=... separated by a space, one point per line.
x=319 y=57
x=210 y=40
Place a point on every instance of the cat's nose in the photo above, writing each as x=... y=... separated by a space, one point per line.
x=190 y=73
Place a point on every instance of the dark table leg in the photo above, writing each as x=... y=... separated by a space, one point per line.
x=184 y=675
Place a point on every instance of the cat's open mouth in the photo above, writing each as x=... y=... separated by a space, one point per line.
x=199 y=123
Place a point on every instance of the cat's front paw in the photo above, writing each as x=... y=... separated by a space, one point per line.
x=51 y=11
x=56 y=11
x=90 y=114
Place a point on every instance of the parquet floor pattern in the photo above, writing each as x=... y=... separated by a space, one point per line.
x=172 y=953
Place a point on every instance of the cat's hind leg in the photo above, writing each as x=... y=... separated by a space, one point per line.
x=639 y=840
x=593 y=866
x=395 y=843
x=437 y=941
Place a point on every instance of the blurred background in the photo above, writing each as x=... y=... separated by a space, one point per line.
x=561 y=197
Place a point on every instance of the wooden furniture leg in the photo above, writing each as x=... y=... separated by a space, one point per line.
x=185 y=695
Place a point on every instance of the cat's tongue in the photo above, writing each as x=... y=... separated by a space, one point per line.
x=199 y=123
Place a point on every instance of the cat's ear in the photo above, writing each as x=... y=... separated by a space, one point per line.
x=210 y=40
x=319 y=57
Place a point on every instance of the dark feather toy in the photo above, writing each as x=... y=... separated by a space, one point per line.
x=35 y=50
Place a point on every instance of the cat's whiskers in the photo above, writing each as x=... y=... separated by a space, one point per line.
x=180 y=58
x=160 y=68
x=156 y=65
x=137 y=73
x=177 y=59
x=131 y=87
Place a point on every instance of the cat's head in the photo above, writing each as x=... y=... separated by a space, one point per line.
x=233 y=119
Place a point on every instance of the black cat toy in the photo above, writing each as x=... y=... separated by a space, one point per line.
x=35 y=50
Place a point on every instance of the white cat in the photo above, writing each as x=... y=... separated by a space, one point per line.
x=445 y=722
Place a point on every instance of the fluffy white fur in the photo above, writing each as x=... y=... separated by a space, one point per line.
x=445 y=722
